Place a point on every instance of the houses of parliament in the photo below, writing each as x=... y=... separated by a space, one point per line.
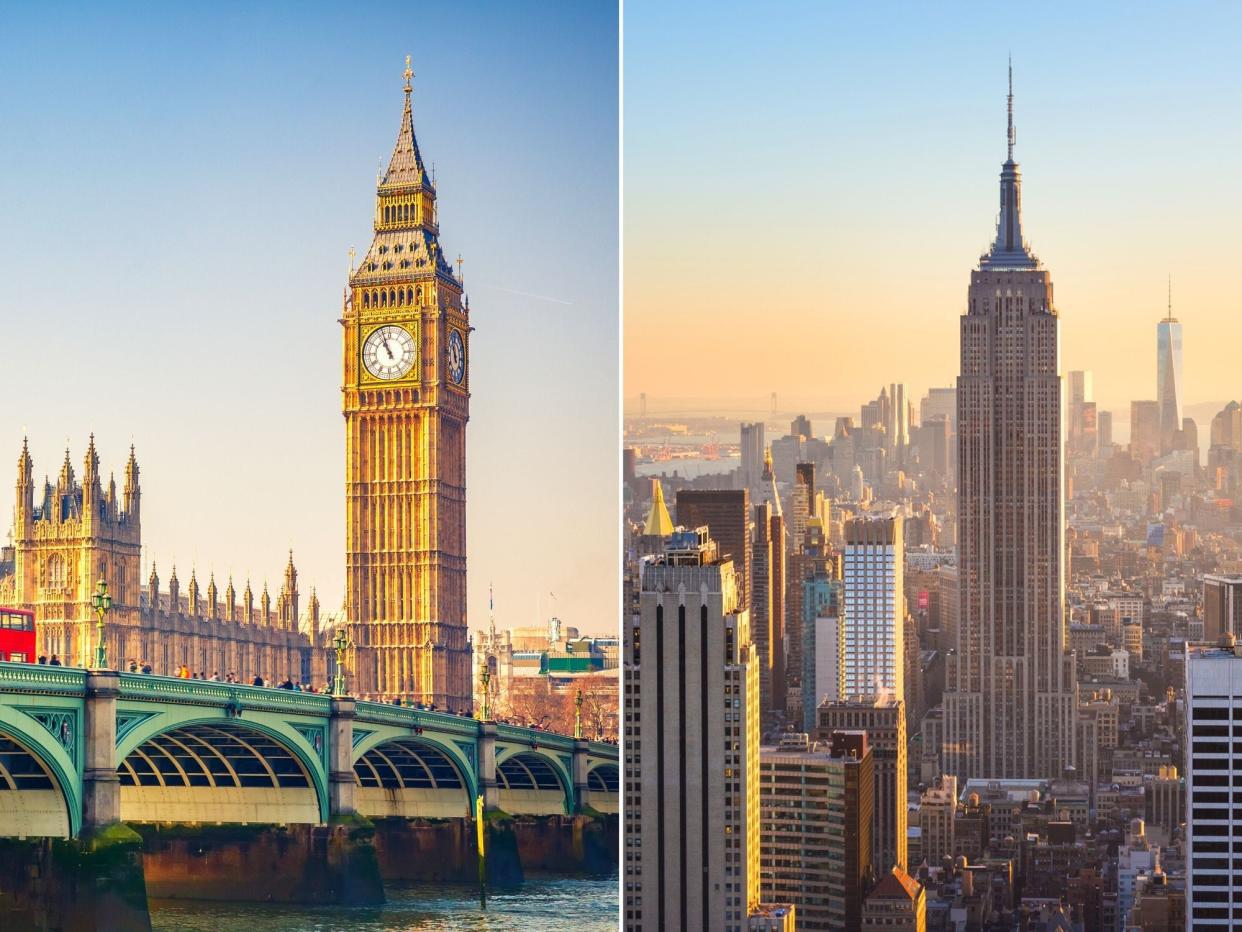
x=69 y=534
x=405 y=401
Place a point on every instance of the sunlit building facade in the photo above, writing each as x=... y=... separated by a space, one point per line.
x=1010 y=697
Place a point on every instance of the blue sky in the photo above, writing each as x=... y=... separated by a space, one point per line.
x=825 y=175
x=180 y=186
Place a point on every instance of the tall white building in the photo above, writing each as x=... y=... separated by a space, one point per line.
x=873 y=655
x=1213 y=812
x=691 y=744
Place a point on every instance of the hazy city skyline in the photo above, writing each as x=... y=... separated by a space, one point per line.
x=878 y=190
x=175 y=251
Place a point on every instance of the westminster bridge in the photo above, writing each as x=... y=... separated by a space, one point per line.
x=85 y=750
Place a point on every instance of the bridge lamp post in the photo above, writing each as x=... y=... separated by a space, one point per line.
x=578 y=715
x=102 y=603
x=340 y=644
x=485 y=675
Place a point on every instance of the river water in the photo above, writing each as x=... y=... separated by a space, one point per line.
x=555 y=904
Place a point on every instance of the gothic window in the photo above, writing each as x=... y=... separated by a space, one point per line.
x=366 y=299
x=419 y=293
x=383 y=299
x=55 y=573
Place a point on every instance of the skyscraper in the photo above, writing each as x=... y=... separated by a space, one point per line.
x=1169 y=376
x=1010 y=694
x=873 y=624
x=406 y=400
x=753 y=450
x=691 y=744
x=1213 y=702
x=762 y=559
x=896 y=415
x=884 y=720
x=1145 y=430
x=1082 y=414
x=815 y=841
x=1222 y=606
x=726 y=512
x=772 y=575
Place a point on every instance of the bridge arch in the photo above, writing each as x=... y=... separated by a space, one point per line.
x=604 y=785
x=39 y=784
x=413 y=777
x=532 y=783
x=220 y=768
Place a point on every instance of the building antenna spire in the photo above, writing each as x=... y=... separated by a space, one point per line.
x=1011 y=132
x=1170 y=317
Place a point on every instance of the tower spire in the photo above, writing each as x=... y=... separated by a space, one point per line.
x=1009 y=250
x=1170 y=317
x=408 y=75
x=1011 y=135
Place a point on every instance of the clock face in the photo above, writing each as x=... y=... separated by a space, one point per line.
x=388 y=352
x=456 y=357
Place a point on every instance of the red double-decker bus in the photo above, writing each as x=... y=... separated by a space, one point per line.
x=17 y=635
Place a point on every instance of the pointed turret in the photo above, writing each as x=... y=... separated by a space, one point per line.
x=230 y=601
x=1010 y=250
x=248 y=604
x=213 y=600
x=24 y=515
x=153 y=589
x=132 y=491
x=265 y=606
x=174 y=592
x=312 y=611
x=90 y=462
x=92 y=492
x=658 y=524
x=64 y=483
x=192 y=594
x=287 y=608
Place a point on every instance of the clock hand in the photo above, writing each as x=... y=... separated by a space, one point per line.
x=388 y=350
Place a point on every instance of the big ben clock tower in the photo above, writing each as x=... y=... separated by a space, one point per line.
x=406 y=400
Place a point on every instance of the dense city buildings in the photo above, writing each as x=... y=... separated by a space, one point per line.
x=691 y=748
x=406 y=401
x=1045 y=591
x=1010 y=696
x=537 y=674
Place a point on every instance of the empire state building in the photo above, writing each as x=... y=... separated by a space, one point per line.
x=1011 y=693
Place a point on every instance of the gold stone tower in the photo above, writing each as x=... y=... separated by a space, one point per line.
x=406 y=401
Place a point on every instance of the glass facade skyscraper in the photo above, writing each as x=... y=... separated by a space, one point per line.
x=1169 y=377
